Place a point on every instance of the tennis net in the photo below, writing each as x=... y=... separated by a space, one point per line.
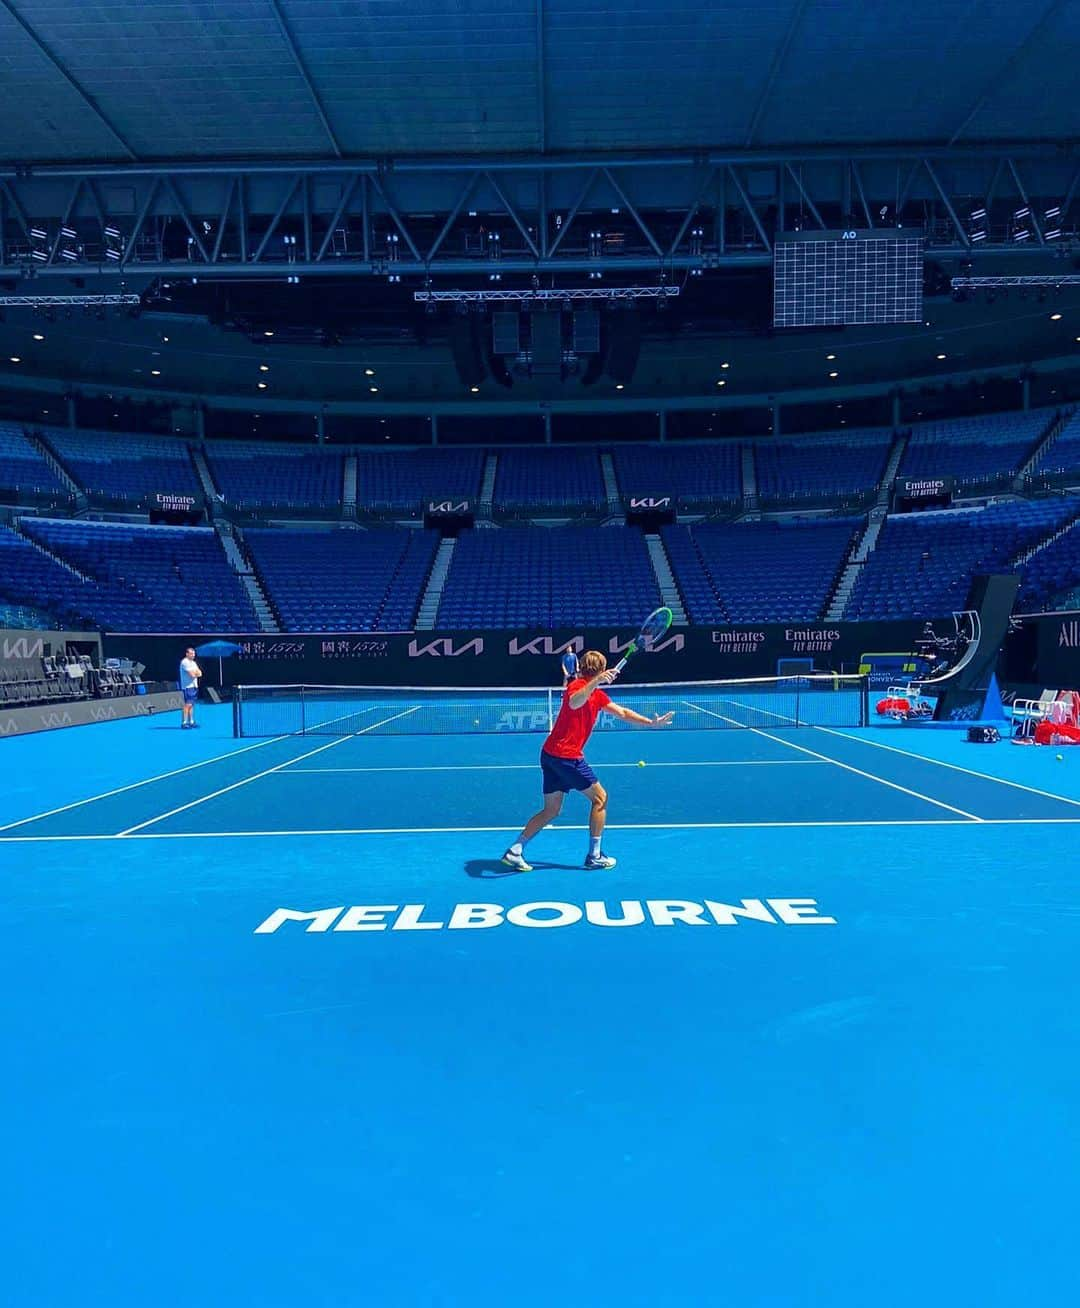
x=761 y=702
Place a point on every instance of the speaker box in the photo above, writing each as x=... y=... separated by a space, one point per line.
x=467 y=349
x=624 y=344
x=505 y=332
x=546 y=344
x=586 y=331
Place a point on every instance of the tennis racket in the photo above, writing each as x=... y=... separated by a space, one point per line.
x=652 y=629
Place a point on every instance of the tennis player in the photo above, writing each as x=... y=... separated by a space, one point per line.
x=562 y=758
x=190 y=672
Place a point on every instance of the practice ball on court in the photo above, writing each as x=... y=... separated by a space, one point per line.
x=1061 y=758
x=476 y=722
x=641 y=762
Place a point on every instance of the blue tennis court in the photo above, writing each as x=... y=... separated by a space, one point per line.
x=282 y=1029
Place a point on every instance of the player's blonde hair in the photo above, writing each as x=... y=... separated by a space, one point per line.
x=592 y=662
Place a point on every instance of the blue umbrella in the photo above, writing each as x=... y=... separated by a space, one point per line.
x=217 y=649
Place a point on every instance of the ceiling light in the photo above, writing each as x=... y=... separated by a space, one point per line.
x=263 y=367
x=374 y=390
x=262 y=386
x=15 y=359
x=722 y=381
x=155 y=372
x=618 y=386
x=830 y=356
x=38 y=336
x=369 y=372
x=268 y=333
x=941 y=356
x=834 y=374
x=1055 y=317
x=725 y=365
x=165 y=339
x=474 y=389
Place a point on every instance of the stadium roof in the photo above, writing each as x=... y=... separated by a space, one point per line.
x=95 y=80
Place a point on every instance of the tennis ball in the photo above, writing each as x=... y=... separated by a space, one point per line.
x=641 y=762
x=1061 y=758
x=476 y=722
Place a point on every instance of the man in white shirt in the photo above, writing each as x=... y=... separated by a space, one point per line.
x=190 y=672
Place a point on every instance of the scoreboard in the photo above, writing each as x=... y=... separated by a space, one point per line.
x=824 y=279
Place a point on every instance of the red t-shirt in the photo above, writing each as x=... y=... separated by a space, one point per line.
x=573 y=726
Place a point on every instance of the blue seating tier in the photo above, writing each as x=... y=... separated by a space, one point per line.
x=143 y=578
x=759 y=572
x=24 y=471
x=403 y=479
x=531 y=577
x=695 y=473
x=1063 y=456
x=567 y=479
x=340 y=579
x=988 y=450
x=1052 y=573
x=821 y=467
x=118 y=468
x=923 y=563
x=258 y=475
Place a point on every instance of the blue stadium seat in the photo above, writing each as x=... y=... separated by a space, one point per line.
x=568 y=480
x=532 y=577
x=1063 y=456
x=401 y=480
x=986 y=451
x=823 y=467
x=698 y=474
x=1052 y=575
x=759 y=572
x=143 y=578
x=340 y=579
x=24 y=472
x=923 y=563
x=121 y=468
x=275 y=475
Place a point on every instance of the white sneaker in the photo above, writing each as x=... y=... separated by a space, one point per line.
x=600 y=862
x=516 y=861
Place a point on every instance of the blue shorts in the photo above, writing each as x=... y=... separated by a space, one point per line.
x=190 y=694
x=562 y=774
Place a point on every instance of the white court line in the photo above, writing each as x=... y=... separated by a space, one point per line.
x=626 y=826
x=340 y=740
x=1018 y=785
x=846 y=766
x=531 y=767
x=134 y=785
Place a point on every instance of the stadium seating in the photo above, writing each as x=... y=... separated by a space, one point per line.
x=341 y=579
x=695 y=474
x=568 y=480
x=24 y=474
x=401 y=480
x=1051 y=574
x=820 y=468
x=759 y=572
x=987 y=451
x=274 y=475
x=533 y=577
x=113 y=468
x=923 y=563
x=1063 y=456
x=143 y=578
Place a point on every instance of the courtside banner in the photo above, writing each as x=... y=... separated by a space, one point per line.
x=519 y=657
x=545 y=914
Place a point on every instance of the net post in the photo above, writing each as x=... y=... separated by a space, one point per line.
x=798 y=703
x=864 y=700
x=237 y=725
x=550 y=700
x=303 y=712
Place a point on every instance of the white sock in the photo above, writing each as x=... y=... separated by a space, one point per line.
x=594 y=846
x=517 y=847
